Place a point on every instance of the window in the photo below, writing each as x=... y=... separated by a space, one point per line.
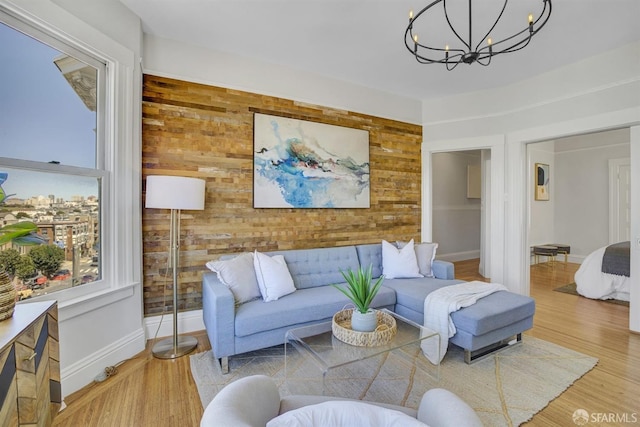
x=52 y=167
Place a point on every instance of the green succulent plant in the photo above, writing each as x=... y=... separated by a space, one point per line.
x=22 y=233
x=360 y=289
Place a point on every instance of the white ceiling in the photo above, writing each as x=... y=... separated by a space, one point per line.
x=362 y=41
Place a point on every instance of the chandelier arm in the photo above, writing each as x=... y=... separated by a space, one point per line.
x=455 y=64
x=510 y=48
x=504 y=6
x=514 y=48
x=446 y=15
x=518 y=45
x=458 y=52
x=413 y=48
x=535 y=30
x=452 y=58
x=488 y=58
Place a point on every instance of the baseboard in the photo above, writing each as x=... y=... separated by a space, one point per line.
x=459 y=256
x=83 y=372
x=162 y=326
x=575 y=258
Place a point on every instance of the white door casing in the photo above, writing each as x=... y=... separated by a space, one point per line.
x=619 y=200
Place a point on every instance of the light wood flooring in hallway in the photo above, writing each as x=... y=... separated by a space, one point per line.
x=152 y=392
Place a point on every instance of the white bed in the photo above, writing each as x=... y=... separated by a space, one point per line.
x=593 y=283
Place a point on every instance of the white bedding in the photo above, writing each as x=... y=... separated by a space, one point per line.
x=593 y=283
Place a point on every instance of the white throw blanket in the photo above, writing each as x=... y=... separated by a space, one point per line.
x=438 y=306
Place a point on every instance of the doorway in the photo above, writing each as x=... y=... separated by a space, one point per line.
x=589 y=191
x=461 y=220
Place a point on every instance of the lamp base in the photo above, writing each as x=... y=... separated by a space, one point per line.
x=165 y=349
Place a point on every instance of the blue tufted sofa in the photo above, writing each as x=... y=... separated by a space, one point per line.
x=482 y=327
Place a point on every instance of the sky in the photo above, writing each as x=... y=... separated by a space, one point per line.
x=41 y=119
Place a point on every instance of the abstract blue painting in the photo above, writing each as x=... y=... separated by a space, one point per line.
x=303 y=164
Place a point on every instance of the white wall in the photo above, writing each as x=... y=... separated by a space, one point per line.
x=456 y=218
x=105 y=328
x=541 y=220
x=168 y=58
x=598 y=85
x=582 y=189
x=599 y=93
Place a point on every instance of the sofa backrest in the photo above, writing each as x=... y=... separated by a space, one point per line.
x=319 y=267
x=371 y=255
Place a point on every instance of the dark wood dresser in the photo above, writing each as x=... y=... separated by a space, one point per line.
x=30 y=393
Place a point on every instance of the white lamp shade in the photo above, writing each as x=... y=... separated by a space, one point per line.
x=175 y=192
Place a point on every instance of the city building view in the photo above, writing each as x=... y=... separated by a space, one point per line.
x=71 y=227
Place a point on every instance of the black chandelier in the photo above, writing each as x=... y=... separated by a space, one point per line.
x=467 y=52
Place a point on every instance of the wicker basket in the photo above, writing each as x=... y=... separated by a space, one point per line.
x=384 y=333
x=7 y=296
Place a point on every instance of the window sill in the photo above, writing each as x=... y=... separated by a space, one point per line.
x=73 y=307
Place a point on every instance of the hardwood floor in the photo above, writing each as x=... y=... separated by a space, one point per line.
x=152 y=392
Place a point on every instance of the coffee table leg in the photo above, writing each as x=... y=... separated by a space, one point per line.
x=286 y=359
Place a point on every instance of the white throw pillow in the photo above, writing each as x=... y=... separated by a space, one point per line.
x=425 y=254
x=399 y=263
x=344 y=413
x=238 y=275
x=274 y=278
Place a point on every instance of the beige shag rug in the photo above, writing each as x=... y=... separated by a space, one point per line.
x=505 y=389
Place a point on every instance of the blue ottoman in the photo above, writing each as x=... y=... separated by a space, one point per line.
x=492 y=323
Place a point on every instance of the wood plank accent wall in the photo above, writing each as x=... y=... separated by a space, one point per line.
x=202 y=131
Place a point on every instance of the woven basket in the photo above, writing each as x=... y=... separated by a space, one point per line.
x=7 y=296
x=386 y=330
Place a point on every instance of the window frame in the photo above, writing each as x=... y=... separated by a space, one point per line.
x=117 y=154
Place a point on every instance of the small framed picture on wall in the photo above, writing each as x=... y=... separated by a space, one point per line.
x=541 y=180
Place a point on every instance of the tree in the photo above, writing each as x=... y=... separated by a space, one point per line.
x=20 y=215
x=47 y=259
x=9 y=260
x=26 y=268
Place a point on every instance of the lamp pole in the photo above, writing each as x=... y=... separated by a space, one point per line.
x=176 y=346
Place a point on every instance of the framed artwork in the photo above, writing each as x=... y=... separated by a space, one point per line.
x=541 y=178
x=302 y=164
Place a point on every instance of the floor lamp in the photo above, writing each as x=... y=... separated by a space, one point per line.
x=175 y=193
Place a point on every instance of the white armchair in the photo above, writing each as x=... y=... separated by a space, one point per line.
x=254 y=401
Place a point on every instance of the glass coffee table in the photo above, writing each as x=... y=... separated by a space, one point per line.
x=316 y=362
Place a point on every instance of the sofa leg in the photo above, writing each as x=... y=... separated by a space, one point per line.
x=224 y=365
x=474 y=356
